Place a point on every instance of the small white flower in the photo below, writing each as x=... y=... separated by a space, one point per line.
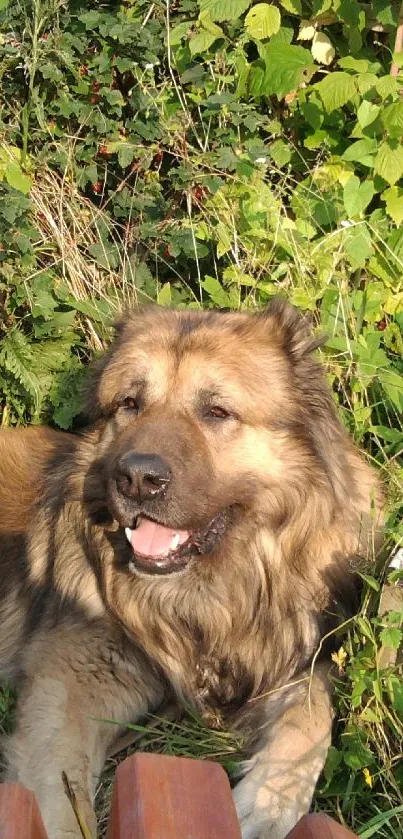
x=397 y=561
x=149 y=66
x=261 y=160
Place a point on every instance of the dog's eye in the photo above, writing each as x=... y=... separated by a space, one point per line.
x=131 y=403
x=217 y=412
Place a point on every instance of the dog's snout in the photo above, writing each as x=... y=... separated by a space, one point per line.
x=142 y=476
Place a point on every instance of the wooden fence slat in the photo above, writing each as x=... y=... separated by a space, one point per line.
x=161 y=797
x=319 y=826
x=19 y=814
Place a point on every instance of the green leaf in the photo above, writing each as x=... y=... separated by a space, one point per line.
x=51 y=71
x=125 y=154
x=232 y=274
x=360 y=149
x=175 y=36
x=224 y=9
x=224 y=240
x=262 y=21
x=377 y=689
x=391 y=435
x=16 y=358
x=358 y=757
x=306 y=31
x=105 y=256
x=201 y=42
x=371 y=581
x=391 y=637
x=333 y=760
x=51 y=355
x=16 y=178
x=292 y=6
x=389 y=161
x=335 y=90
x=91 y=20
x=365 y=627
x=358 y=245
x=394 y=203
x=284 y=35
x=374 y=825
x=375 y=296
x=164 y=297
x=285 y=67
x=207 y=24
x=368 y=715
x=392 y=384
x=367 y=113
x=322 y=48
x=386 y=86
x=392 y=119
x=365 y=82
x=357 y=195
x=280 y=152
x=215 y=290
x=349 y=11
x=358 y=65
x=384 y=12
x=207 y=34
x=66 y=395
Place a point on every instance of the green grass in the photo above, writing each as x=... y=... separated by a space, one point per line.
x=7 y=707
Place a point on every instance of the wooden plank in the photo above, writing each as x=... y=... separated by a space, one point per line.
x=161 y=797
x=319 y=826
x=19 y=814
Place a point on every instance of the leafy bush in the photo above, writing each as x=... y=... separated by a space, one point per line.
x=214 y=153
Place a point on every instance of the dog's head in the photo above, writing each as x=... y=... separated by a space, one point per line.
x=210 y=418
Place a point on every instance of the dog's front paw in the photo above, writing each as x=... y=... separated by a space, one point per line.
x=262 y=813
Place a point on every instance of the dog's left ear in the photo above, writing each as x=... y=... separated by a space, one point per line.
x=294 y=329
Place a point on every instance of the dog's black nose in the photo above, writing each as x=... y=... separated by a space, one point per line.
x=142 y=476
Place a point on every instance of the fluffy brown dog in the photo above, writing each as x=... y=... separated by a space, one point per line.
x=195 y=544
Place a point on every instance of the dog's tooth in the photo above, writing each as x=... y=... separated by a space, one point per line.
x=128 y=534
x=132 y=566
x=175 y=542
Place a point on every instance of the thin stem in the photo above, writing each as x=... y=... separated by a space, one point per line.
x=398 y=48
x=32 y=72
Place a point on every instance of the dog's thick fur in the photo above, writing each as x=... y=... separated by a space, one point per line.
x=88 y=637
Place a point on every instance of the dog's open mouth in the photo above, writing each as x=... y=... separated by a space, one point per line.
x=157 y=549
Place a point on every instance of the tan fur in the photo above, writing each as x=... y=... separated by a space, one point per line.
x=234 y=632
x=23 y=457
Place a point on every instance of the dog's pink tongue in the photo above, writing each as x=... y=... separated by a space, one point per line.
x=151 y=539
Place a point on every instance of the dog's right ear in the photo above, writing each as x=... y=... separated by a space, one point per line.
x=128 y=323
x=91 y=405
x=293 y=328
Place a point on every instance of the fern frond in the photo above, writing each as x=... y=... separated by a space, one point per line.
x=16 y=359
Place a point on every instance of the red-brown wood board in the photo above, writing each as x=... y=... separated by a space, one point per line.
x=160 y=797
x=19 y=814
x=319 y=826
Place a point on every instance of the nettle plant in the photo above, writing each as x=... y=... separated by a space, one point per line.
x=208 y=153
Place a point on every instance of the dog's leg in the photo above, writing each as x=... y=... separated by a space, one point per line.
x=75 y=681
x=277 y=790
